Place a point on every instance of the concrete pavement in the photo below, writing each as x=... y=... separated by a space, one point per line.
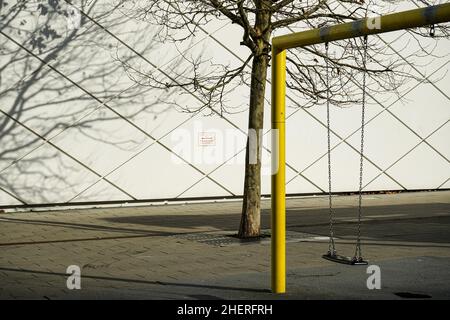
x=185 y=251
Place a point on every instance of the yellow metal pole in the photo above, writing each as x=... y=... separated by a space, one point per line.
x=278 y=217
x=381 y=24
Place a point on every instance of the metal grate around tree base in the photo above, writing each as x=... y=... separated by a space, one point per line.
x=228 y=238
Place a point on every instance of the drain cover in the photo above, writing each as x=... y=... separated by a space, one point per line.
x=221 y=239
x=230 y=238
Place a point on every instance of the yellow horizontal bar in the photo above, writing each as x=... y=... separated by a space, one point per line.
x=387 y=23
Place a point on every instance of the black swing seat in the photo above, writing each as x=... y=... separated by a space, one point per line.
x=345 y=260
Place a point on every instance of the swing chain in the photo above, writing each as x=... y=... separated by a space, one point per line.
x=331 y=245
x=358 y=252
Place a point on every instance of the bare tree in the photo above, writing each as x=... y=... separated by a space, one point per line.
x=180 y=21
x=57 y=72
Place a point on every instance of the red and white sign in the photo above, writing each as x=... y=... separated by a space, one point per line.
x=206 y=139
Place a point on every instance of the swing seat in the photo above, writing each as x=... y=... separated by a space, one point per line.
x=344 y=260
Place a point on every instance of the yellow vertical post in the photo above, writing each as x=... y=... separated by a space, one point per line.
x=278 y=217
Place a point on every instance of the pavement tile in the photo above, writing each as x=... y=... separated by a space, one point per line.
x=402 y=227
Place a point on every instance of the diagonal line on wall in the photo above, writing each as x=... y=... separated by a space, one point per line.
x=424 y=77
x=409 y=128
x=71 y=125
x=160 y=138
x=385 y=109
x=443 y=183
x=294 y=169
x=111 y=109
x=244 y=149
x=402 y=57
x=41 y=66
x=422 y=140
x=232 y=157
x=408 y=152
x=168 y=76
x=13 y=195
x=91 y=112
x=237 y=153
x=342 y=140
x=62 y=151
x=295 y=111
x=134 y=156
x=413 y=66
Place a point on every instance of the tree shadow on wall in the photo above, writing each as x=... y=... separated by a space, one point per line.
x=64 y=95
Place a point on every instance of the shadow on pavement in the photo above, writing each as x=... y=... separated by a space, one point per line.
x=127 y=280
x=409 y=223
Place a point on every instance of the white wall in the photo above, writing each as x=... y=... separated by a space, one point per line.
x=406 y=140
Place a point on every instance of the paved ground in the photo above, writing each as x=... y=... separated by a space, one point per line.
x=184 y=252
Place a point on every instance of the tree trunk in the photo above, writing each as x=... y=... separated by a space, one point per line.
x=251 y=209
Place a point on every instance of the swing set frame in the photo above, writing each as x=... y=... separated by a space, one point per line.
x=397 y=21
